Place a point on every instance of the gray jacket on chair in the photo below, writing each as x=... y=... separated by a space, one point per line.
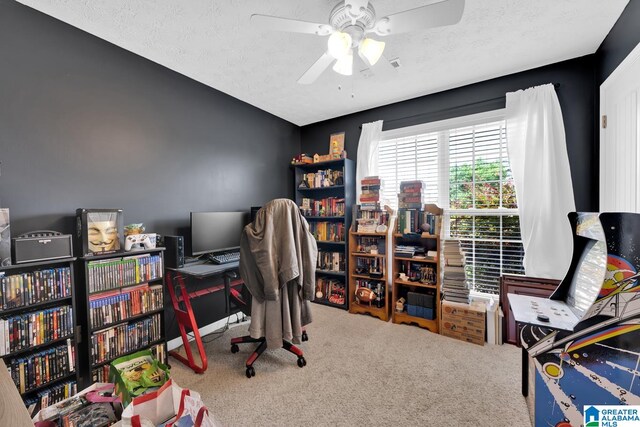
x=278 y=257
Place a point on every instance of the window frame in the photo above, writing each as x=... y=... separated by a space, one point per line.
x=442 y=127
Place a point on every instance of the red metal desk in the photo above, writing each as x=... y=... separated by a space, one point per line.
x=176 y=281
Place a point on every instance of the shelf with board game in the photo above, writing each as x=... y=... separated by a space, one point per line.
x=325 y=193
x=38 y=336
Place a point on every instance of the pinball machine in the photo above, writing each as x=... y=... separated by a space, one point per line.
x=581 y=346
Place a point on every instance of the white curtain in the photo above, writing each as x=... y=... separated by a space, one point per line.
x=538 y=156
x=367 y=163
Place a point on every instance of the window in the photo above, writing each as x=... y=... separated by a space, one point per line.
x=465 y=166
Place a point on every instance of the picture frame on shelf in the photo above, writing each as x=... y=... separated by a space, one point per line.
x=99 y=231
x=336 y=145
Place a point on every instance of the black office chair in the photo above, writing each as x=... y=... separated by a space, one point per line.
x=241 y=300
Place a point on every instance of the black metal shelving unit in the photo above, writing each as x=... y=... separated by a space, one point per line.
x=84 y=295
x=347 y=191
x=45 y=303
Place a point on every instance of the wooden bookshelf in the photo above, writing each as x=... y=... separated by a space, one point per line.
x=420 y=285
x=380 y=309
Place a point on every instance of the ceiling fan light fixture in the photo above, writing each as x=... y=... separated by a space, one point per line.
x=344 y=65
x=371 y=49
x=339 y=44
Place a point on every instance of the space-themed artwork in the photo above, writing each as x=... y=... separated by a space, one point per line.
x=598 y=363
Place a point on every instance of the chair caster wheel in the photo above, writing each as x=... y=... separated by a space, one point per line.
x=302 y=362
x=234 y=348
x=305 y=337
x=250 y=372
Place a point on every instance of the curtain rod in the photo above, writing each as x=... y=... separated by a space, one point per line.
x=458 y=107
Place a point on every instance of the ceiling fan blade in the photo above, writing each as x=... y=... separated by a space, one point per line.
x=316 y=69
x=276 y=23
x=447 y=12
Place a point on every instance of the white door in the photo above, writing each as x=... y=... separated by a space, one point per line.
x=620 y=139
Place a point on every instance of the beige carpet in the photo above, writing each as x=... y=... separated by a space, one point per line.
x=362 y=371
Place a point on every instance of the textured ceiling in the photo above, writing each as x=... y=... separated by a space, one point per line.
x=214 y=43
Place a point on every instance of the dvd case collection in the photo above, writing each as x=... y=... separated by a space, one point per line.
x=42 y=367
x=19 y=290
x=107 y=274
x=101 y=374
x=124 y=338
x=51 y=395
x=27 y=330
x=119 y=305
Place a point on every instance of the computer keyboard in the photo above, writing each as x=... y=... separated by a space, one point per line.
x=224 y=258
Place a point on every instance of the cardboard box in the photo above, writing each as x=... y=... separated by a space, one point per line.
x=456 y=327
x=462 y=336
x=473 y=311
x=465 y=322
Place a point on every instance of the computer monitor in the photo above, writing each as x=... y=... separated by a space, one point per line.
x=254 y=212
x=216 y=231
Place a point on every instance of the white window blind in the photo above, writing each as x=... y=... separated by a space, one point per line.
x=466 y=171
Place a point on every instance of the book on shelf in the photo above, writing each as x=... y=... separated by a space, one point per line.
x=328 y=231
x=322 y=179
x=331 y=261
x=454 y=283
x=329 y=207
x=330 y=289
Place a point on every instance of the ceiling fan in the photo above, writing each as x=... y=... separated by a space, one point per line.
x=352 y=26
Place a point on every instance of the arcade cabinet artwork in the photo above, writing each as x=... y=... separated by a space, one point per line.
x=583 y=343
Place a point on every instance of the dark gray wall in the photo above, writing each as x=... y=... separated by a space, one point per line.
x=575 y=93
x=84 y=123
x=621 y=40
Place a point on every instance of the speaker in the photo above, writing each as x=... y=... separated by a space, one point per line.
x=41 y=245
x=174 y=254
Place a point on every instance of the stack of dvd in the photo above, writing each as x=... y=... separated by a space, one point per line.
x=112 y=342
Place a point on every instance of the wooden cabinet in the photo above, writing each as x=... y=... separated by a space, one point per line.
x=520 y=285
x=325 y=193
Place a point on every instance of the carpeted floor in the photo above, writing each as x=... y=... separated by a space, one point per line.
x=362 y=371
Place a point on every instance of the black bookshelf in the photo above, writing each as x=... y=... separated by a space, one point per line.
x=85 y=293
x=345 y=190
x=35 y=296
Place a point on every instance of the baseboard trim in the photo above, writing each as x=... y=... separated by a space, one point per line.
x=205 y=330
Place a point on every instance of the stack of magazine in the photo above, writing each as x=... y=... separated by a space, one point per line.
x=454 y=284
